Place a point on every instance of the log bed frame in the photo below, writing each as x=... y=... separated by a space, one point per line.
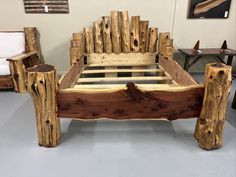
x=135 y=82
x=19 y=63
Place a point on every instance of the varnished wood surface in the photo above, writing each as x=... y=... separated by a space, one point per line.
x=131 y=103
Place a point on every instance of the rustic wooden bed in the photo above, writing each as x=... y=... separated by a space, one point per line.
x=117 y=73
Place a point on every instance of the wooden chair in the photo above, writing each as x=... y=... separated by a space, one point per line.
x=19 y=50
x=154 y=85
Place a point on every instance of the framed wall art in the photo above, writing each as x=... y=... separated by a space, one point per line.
x=46 y=6
x=209 y=8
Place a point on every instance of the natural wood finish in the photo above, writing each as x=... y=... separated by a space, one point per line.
x=210 y=124
x=70 y=77
x=206 y=6
x=153 y=37
x=176 y=71
x=125 y=32
x=106 y=30
x=120 y=59
x=168 y=49
x=143 y=36
x=109 y=87
x=131 y=103
x=162 y=41
x=99 y=71
x=6 y=82
x=135 y=31
x=77 y=47
x=160 y=79
x=98 y=43
x=18 y=75
x=89 y=41
x=42 y=85
x=115 y=32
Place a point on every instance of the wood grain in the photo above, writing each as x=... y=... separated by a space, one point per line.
x=131 y=103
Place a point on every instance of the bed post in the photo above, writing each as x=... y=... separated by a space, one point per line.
x=210 y=124
x=42 y=86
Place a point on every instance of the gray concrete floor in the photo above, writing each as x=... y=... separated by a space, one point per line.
x=109 y=149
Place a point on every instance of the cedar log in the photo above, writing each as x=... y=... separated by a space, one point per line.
x=210 y=124
x=42 y=86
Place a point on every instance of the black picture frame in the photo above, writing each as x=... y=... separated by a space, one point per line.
x=216 y=9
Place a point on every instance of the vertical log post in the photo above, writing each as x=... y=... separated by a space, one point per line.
x=115 y=32
x=210 y=124
x=125 y=32
x=77 y=47
x=89 y=41
x=33 y=43
x=162 y=41
x=135 y=31
x=17 y=68
x=98 y=43
x=106 y=30
x=143 y=35
x=168 y=49
x=153 y=36
x=42 y=86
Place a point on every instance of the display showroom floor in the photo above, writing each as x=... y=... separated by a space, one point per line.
x=109 y=148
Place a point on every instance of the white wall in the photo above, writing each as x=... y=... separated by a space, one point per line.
x=56 y=29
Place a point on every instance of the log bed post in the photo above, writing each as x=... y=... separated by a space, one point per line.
x=210 y=124
x=42 y=86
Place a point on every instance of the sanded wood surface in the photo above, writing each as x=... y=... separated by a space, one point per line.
x=42 y=86
x=98 y=43
x=70 y=77
x=176 y=72
x=106 y=31
x=153 y=37
x=99 y=71
x=125 y=31
x=115 y=32
x=77 y=48
x=210 y=124
x=131 y=103
x=162 y=41
x=6 y=82
x=135 y=30
x=89 y=39
x=143 y=36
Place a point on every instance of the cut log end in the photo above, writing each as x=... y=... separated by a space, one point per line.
x=41 y=68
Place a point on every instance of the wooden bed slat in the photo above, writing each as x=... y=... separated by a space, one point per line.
x=98 y=71
x=117 y=79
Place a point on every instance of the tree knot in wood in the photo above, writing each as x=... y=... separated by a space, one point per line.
x=134 y=92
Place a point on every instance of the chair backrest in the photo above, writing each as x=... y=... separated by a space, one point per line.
x=12 y=43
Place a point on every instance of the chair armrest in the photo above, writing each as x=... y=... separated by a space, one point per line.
x=22 y=56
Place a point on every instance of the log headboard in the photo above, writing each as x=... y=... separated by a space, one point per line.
x=118 y=34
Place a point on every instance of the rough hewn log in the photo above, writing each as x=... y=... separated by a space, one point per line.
x=143 y=35
x=168 y=49
x=125 y=32
x=162 y=41
x=33 y=42
x=131 y=103
x=210 y=124
x=106 y=30
x=135 y=31
x=98 y=43
x=18 y=75
x=89 y=42
x=77 y=47
x=42 y=85
x=115 y=32
x=153 y=36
